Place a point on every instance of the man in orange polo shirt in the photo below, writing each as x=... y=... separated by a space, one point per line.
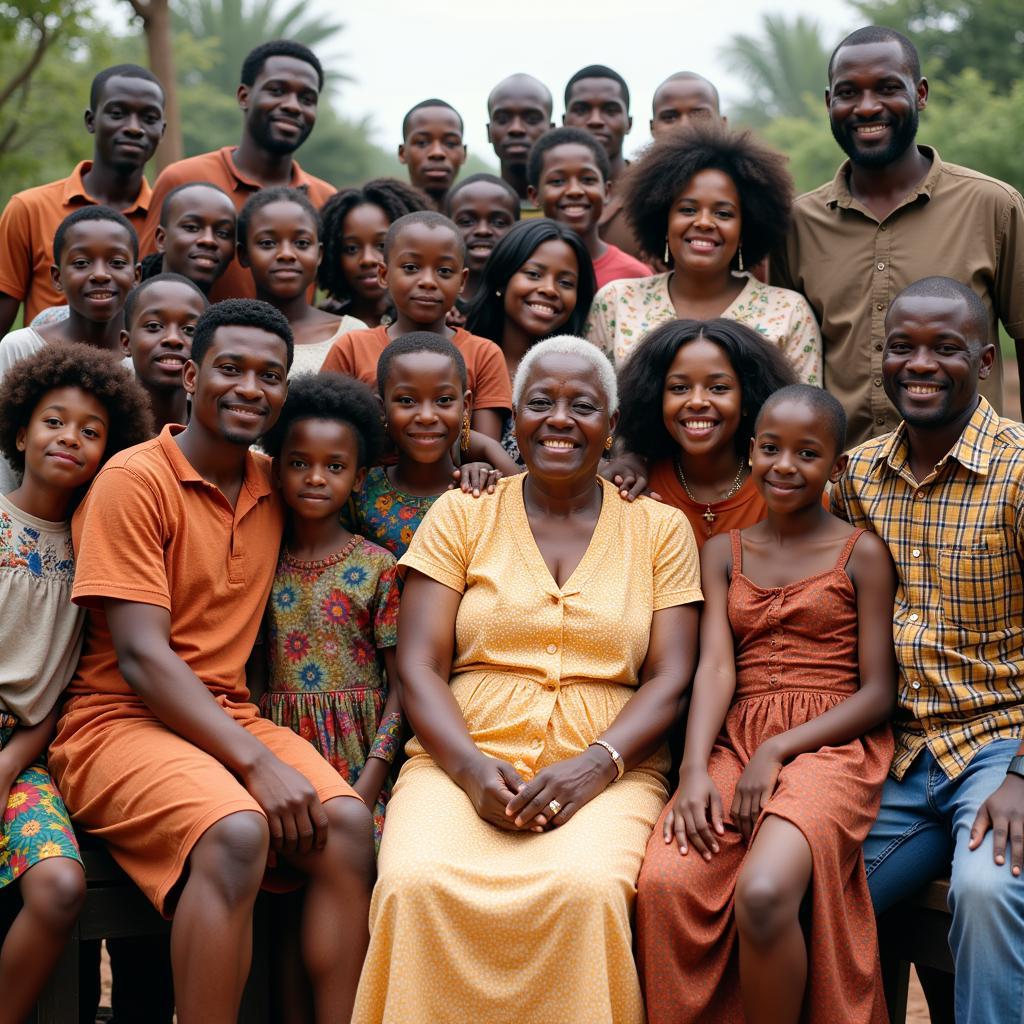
x=160 y=750
x=278 y=96
x=126 y=119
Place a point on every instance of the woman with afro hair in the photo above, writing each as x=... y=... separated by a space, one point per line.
x=711 y=203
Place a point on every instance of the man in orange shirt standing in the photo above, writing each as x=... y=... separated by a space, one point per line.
x=278 y=96
x=126 y=119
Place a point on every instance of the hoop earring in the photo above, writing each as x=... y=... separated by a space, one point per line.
x=464 y=439
x=608 y=442
x=739 y=259
x=668 y=255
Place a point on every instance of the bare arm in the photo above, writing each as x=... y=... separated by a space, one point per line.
x=9 y=307
x=172 y=691
x=487 y=421
x=27 y=742
x=376 y=769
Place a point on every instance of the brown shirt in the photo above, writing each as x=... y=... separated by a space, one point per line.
x=956 y=223
x=27 y=226
x=218 y=167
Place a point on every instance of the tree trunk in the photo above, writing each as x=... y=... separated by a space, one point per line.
x=156 y=20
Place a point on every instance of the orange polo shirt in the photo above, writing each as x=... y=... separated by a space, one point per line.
x=27 y=226
x=218 y=168
x=152 y=530
x=356 y=353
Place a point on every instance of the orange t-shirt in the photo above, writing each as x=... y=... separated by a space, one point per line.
x=218 y=168
x=153 y=531
x=27 y=226
x=357 y=352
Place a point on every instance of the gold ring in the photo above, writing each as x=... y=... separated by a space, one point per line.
x=554 y=807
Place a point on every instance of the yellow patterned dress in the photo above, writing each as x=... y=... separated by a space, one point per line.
x=473 y=924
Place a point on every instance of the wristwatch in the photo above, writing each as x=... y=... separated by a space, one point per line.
x=1016 y=766
x=620 y=765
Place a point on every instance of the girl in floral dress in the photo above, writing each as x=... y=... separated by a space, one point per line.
x=332 y=614
x=63 y=411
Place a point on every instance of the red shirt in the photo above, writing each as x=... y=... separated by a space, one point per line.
x=616 y=264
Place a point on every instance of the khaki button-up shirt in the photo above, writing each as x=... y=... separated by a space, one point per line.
x=956 y=223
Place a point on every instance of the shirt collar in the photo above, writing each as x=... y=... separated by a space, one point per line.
x=973 y=449
x=74 y=189
x=257 y=477
x=299 y=179
x=838 y=192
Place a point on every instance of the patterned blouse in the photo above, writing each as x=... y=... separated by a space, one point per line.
x=386 y=515
x=624 y=311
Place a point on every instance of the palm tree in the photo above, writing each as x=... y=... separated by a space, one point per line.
x=782 y=69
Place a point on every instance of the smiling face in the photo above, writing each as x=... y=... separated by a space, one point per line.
x=572 y=189
x=520 y=113
x=280 y=106
x=198 y=240
x=683 y=101
x=424 y=405
x=319 y=467
x=598 y=106
x=65 y=439
x=159 y=338
x=705 y=224
x=128 y=122
x=97 y=269
x=873 y=103
x=793 y=456
x=484 y=213
x=433 y=149
x=933 y=360
x=238 y=392
x=362 y=250
x=282 y=251
x=563 y=419
x=541 y=295
x=424 y=272
x=702 y=404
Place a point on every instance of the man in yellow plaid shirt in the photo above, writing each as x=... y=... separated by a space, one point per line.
x=945 y=491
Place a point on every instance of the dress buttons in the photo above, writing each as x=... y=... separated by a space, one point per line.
x=535 y=743
x=877 y=382
x=549 y=688
x=773 y=679
x=881 y=266
x=878 y=348
x=552 y=648
x=915 y=685
x=879 y=421
x=916 y=553
x=879 y=305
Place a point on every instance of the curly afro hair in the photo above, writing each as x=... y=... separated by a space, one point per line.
x=71 y=365
x=240 y=313
x=395 y=198
x=761 y=368
x=330 y=396
x=759 y=173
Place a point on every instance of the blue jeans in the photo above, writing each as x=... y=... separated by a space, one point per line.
x=921 y=833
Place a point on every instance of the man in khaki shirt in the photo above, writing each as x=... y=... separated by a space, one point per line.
x=893 y=214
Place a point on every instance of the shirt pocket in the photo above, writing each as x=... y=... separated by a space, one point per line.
x=980 y=586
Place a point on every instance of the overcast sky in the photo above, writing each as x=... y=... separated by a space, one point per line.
x=401 y=51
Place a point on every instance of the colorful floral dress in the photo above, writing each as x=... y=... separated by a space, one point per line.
x=386 y=515
x=39 y=644
x=329 y=623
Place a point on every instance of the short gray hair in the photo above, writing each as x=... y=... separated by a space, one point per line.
x=568 y=345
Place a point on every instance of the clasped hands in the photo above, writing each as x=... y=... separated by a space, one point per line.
x=502 y=797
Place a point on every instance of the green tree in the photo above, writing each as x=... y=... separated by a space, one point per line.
x=952 y=35
x=782 y=67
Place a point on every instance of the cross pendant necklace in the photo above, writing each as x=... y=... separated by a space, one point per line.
x=707 y=515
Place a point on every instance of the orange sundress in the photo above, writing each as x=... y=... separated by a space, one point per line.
x=796 y=657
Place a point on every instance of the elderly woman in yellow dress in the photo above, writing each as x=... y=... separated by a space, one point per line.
x=548 y=637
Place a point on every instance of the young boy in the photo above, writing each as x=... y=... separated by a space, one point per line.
x=95 y=253
x=160 y=749
x=424 y=268
x=569 y=181
x=160 y=318
x=432 y=148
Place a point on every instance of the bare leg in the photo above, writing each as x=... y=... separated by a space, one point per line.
x=773 y=953
x=52 y=893
x=335 y=924
x=211 y=940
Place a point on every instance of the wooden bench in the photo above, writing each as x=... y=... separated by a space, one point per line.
x=115 y=908
x=916 y=932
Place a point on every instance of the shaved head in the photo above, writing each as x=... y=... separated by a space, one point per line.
x=521 y=84
x=689 y=76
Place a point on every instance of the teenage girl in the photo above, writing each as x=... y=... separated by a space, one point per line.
x=355 y=223
x=691 y=392
x=63 y=411
x=787 y=748
x=279 y=242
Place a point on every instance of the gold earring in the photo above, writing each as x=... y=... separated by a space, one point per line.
x=739 y=257
x=668 y=255
x=464 y=442
x=608 y=442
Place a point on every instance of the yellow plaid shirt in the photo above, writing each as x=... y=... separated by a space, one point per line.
x=957 y=538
